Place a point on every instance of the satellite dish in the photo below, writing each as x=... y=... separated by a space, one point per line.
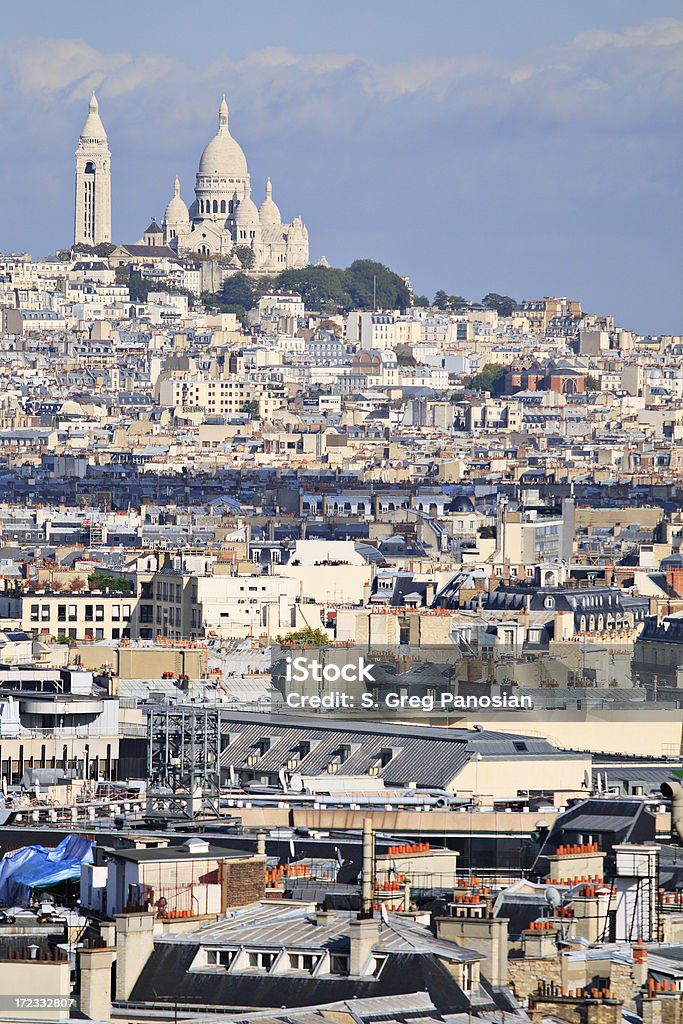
x=552 y=897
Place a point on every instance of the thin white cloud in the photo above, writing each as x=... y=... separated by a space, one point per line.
x=644 y=59
x=70 y=68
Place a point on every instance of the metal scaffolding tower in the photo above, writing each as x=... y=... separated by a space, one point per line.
x=183 y=761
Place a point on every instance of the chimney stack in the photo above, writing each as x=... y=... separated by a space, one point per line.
x=134 y=943
x=95 y=973
x=368 y=870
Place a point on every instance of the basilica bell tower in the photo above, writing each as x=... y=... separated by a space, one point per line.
x=92 y=210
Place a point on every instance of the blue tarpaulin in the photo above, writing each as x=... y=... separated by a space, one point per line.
x=38 y=867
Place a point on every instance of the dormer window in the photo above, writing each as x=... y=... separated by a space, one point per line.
x=257 y=751
x=220 y=957
x=339 y=964
x=342 y=754
x=298 y=753
x=262 y=961
x=549 y=602
x=303 y=962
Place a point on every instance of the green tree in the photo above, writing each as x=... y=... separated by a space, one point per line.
x=370 y=283
x=456 y=301
x=139 y=288
x=491 y=378
x=322 y=288
x=504 y=305
x=245 y=254
x=591 y=383
x=237 y=291
x=421 y=301
x=251 y=409
x=102 y=250
x=308 y=635
x=441 y=299
x=105 y=581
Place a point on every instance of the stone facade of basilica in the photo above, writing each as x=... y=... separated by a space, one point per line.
x=222 y=219
x=224 y=216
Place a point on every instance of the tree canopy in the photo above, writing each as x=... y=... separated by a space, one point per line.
x=103 y=249
x=504 y=305
x=323 y=289
x=445 y=302
x=245 y=254
x=491 y=378
x=237 y=291
x=308 y=636
x=105 y=581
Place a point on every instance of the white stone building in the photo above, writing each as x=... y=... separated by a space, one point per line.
x=223 y=215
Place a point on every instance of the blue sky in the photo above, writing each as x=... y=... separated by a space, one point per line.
x=529 y=147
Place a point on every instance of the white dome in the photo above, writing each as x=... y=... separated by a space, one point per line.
x=70 y=408
x=176 y=211
x=93 y=129
x=268 y=210
x=223 y=156
x=247 y=215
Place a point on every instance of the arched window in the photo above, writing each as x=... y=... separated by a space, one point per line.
x=215 y=206
x=222 y=205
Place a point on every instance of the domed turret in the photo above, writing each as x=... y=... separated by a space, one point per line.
x=247 y=215
x=223 y=157
x=177 y=216
x=460 y=503
x=247 y=223
x=268 y=211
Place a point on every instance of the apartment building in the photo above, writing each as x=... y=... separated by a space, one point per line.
x=70 y=616
x=228 y=396
x=178 y=605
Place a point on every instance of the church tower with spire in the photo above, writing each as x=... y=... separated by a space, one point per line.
x=92 y=212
